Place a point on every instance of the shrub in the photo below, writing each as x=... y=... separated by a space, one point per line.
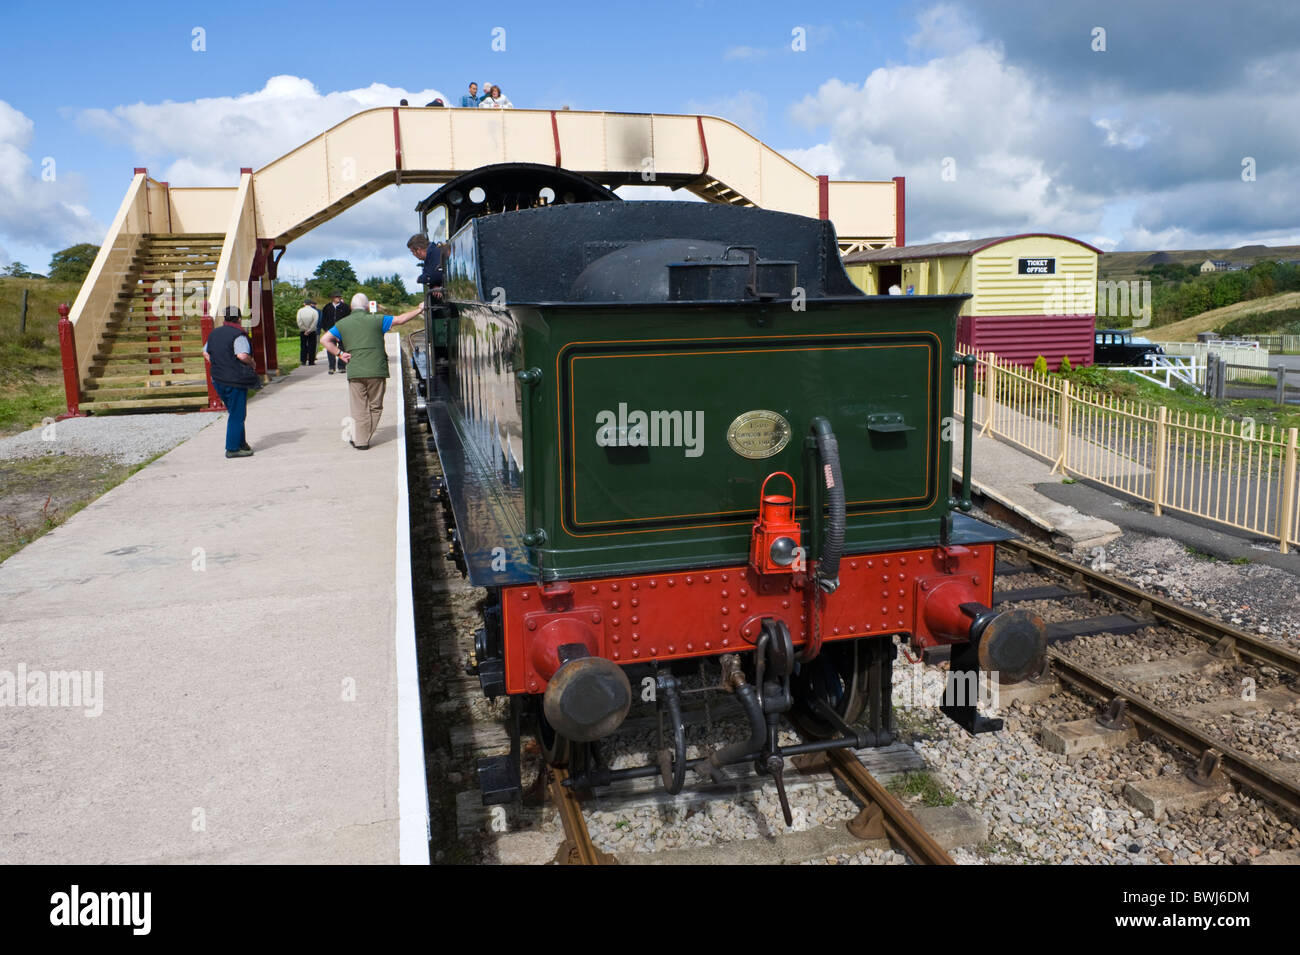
x=1040 y=365
x=1066 y=367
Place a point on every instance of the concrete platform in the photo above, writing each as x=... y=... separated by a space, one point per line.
x=250 y=622
x=1009 y=477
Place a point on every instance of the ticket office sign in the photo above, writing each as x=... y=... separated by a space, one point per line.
x=1037 y=266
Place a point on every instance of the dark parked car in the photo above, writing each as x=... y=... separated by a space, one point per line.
x=1122 y=348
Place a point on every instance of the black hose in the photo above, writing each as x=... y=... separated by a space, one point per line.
x=672 y=766
x=734 y=752
x=828 y=568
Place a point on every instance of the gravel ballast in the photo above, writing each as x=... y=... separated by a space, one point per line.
x=125 y=439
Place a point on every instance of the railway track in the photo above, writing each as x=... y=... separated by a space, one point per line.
x=882 y=815
x=1124 y=706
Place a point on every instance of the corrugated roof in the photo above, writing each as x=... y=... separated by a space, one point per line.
x=940 y=249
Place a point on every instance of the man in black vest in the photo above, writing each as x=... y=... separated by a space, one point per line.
x=329 y=317
x=230 y=364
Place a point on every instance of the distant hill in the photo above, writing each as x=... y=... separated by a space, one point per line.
x=1186 y=330
x=1117 y=265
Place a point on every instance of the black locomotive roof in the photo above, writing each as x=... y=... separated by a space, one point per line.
x=539 y=255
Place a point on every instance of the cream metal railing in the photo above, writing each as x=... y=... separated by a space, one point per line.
x=93 y=305
x=238 y=249
x=1239 y=474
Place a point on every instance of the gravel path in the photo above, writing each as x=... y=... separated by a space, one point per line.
x=126 y=439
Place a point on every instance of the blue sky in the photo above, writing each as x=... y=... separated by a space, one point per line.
x=1139 y=145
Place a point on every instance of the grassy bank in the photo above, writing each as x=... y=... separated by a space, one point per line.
x=1130 y=387
x=31 y=380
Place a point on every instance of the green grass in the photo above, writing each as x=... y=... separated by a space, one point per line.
x=31 y=378
x=923 y=786
x=1129 y=387
x=39 y=494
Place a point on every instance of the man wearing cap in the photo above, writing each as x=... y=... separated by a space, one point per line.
x=329 y=317
x=361 y=333
x=308 y=320
x=431 y=275
x=230 y=365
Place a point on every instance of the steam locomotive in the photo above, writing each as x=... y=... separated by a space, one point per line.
x=675 y=431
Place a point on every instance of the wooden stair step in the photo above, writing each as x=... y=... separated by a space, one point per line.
x=142 y=352
x=166 y=238
x=104 y=382
x=165 y=337
x=190 y=367
x=167 y=393
x=137 y=404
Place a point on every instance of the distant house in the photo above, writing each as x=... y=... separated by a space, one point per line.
x=1215 y=265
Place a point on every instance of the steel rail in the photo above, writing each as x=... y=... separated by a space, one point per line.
x=578 y=849
x=899 y=824
x=1249 y=646
x=1250 y=772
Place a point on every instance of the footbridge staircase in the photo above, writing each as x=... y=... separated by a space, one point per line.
x=175 y=257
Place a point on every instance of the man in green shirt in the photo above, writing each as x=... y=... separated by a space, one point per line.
x=358 y=339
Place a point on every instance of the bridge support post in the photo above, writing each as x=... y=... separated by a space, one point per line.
x=68 y=352
x=205 y=326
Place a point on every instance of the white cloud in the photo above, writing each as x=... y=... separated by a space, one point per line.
x=744 y=53
x=206 y=141
x=39 y=204
x=990 y=143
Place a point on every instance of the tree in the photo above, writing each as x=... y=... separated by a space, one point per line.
x=334 y=274
x=73 y=263
x=16 y=270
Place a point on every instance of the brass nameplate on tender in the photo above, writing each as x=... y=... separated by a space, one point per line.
x=758 y=434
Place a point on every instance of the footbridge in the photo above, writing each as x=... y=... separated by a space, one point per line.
x=175 y=256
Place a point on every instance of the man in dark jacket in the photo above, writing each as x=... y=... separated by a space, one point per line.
x=431 y=275
x=230 y=364
x=329 y=317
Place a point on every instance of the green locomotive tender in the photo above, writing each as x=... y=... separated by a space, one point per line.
x=676 y=430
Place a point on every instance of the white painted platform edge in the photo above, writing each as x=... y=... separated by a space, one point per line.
x=412 y=788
